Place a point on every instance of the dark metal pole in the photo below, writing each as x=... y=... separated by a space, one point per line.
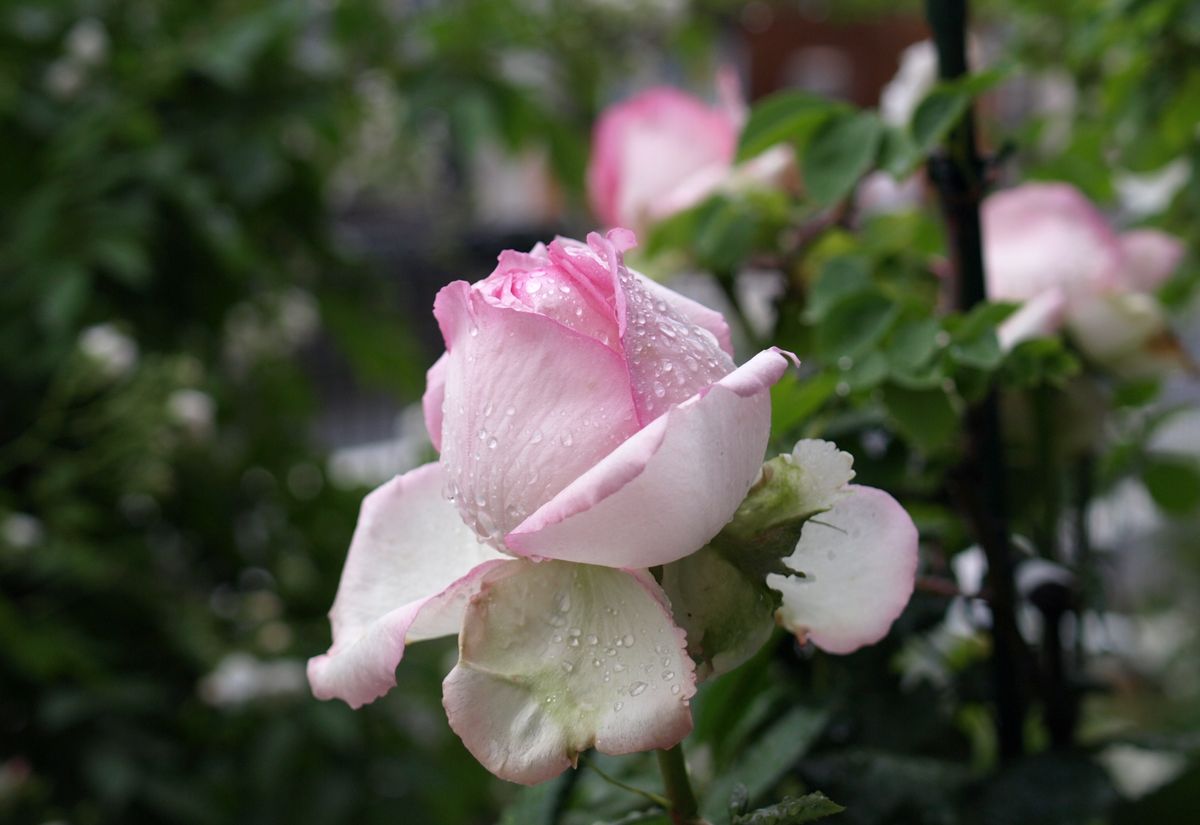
x=957 y=170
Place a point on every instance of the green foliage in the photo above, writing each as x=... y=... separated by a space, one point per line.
x=789 y=811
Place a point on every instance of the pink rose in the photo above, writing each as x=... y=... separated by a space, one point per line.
x=1048 y=246
x=664 y=151
x=592 y=424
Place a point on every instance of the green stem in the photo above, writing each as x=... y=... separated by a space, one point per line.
x=660 y=801
x=957 y=172
x=684 y=809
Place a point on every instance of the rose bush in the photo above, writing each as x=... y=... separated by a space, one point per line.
x=1046 y=245
x=664 y=151
x=592 y=425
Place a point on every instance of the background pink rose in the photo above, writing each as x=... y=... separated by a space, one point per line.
x=1048 y=246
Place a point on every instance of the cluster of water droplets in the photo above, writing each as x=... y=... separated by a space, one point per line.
x=670 y=359
x=620 y=657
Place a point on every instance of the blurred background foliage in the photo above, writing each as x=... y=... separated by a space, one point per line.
x=223 y=226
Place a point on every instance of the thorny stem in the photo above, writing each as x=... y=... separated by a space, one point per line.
x=958 y=172
x=684 y=809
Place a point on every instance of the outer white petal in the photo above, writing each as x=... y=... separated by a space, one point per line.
x=1039 y=316
x=556 y=658
x=411 y=568
x=859 y=561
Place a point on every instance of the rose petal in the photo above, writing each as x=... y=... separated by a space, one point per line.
x=669 y=356
x=1109 y=327
x=412 y=566
x=529 y=406
x=433 y=399
x=667 y=490
x=1041 y=236
x=1151 y=257
x=556 y=658
x=690 y=311
x=859 y=560
x=1040 y=316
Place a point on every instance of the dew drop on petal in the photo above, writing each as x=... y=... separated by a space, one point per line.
x=637 y=688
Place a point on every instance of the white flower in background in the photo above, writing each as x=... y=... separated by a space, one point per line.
x=1150 y=193
x=192 y=409
x=913 y=80
x=21 y=530
x=112 y=350
x=87 y=42
x=240 y=678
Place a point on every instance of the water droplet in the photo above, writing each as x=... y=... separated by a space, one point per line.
x=595 y=663
x=592 y=639
x=549 y=700
x=564 y=289
x=573 y=641
x=532 y=286
x=608 y=651
x=666 y=662
x=474 y=331
x=628 y=640
x=510 y=411
x=567 y=440
x=567 y=667
x=637 y=688
x=659 y=389
x=668 y=675
x=617 y=707
x=618 y=667
x=557 y=638
x=675 y=690
x=492 y=442
x=536 y=438
x=563 y=600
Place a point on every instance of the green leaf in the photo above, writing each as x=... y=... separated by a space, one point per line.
x=912 y=344
x=866 y=372
x=725 y=231
x=538 y=804
x=780 y=118
x=856 y=324
x=795 y=399
x=926 y=418
x=898 y=155
x=840 y=278
x=767 y=760
x=944 y=106
x=1174 y=483
x=936 y=116
x=840 y=152
x=792 y=811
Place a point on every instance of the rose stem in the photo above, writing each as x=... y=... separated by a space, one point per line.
x=684 y=810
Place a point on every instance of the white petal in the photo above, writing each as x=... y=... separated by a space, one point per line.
x=859 y=561
x=556 y=658
x=412 y=566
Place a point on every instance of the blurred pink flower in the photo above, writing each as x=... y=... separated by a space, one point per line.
x=1048 y=246
x=664 y=151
